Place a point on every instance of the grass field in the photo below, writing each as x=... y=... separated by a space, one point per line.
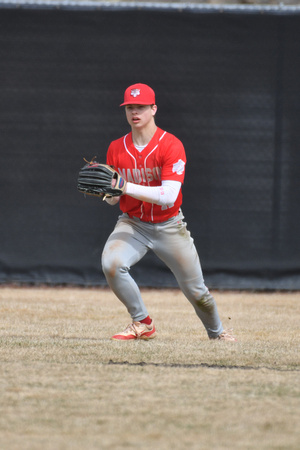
x=66 y=385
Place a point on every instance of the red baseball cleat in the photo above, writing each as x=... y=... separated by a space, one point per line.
x=136 y=330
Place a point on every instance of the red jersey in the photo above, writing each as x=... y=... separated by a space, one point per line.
x=162 y=159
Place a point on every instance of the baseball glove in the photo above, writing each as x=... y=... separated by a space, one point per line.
x=100 y=180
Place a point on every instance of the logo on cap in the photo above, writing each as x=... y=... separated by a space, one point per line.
x=135 y=92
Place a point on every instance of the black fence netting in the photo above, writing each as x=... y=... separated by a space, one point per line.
x=227 y=84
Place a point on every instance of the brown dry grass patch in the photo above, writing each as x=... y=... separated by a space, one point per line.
x=66 y=385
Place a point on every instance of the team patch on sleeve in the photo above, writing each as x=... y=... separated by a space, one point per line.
x=178 y=167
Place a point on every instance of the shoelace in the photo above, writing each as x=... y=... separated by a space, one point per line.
x=133 y=327
x=138 y=333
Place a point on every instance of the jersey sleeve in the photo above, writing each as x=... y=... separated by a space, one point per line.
x=174 y=160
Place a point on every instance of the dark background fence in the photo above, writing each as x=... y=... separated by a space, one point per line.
x=227 y=84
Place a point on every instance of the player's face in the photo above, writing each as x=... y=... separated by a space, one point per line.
x=139 y=116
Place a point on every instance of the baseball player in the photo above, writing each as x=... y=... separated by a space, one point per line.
x=152 y=161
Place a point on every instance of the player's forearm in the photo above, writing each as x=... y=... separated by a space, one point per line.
x=164 y=195
x=143 y=193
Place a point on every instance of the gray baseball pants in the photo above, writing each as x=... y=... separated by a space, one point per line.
x=173 y=244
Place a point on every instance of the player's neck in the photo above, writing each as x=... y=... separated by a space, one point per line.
x=143 y=136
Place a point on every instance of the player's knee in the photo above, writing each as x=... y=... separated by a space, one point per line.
x=111 y=267
x=205 y=300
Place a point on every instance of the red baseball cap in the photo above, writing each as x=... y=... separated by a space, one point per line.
x=139 y=94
